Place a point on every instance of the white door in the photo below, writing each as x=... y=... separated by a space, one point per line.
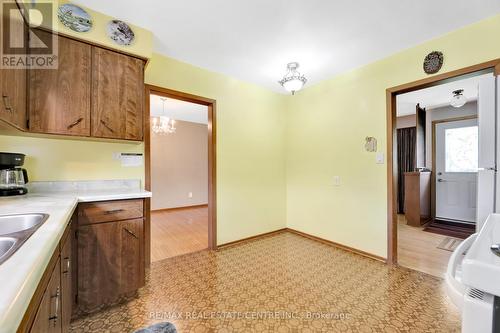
x=457 y=150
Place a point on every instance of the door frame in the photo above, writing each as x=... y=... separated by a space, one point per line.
x=433 y=174
x=212 y=166
x=492 y=66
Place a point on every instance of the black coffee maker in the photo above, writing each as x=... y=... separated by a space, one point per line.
x=13 y=179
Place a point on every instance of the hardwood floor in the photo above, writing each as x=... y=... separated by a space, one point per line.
x=419 y=250
x=281 y=283
x=178 y=231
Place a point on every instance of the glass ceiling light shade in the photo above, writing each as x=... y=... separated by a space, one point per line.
x=293 y=81
x=163 y=124
x=458 y=99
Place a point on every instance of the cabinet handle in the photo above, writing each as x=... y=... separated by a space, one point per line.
x=131 y=233
x=113 y=211
x=55 y=316
x=6 y=103
x=70 y=126
x=68 y=265
x=106 y=125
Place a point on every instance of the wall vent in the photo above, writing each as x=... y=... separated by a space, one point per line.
x=476 y=293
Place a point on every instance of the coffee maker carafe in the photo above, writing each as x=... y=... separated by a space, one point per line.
x=13 y=179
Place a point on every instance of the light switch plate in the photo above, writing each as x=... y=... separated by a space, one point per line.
x=336 y=181
x=380 y=158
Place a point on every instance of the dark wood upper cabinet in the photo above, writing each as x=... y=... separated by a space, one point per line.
x=60 y=98
x=117 y=95
x=13 y=83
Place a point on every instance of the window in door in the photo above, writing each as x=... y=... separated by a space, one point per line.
x=461 y=149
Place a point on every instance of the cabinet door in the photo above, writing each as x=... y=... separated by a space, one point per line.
x=60 y=98
x=132 y=254
x=110 y=262
x=48 y=316
x=13 y=81
x=117 y=95
x=66 y=282
x=98 y=265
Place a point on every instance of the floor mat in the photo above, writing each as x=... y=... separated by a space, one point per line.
x=449 y=244
x=451 y=229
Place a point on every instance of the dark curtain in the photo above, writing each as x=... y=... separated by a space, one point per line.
x=406 y=141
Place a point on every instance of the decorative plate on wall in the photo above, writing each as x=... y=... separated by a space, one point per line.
x=120 y=32
x=433 y=62
x=74 y=17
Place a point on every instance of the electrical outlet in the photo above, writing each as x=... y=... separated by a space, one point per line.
x=190 y=194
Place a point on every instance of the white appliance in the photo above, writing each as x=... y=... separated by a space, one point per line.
x=473 y=279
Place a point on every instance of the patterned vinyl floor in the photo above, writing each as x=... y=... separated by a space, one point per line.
x=282 y=283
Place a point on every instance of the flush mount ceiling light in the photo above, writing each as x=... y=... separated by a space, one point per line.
x=163 y=124
x=458 y=98
x=293 y=81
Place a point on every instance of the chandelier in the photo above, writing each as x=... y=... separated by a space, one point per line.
x=293 y=81
x=163 y=124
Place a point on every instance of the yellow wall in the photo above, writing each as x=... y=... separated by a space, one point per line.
x=250 y=146
x=327 y=124
x=62 y=159
x=277 y=154
x=250 y=150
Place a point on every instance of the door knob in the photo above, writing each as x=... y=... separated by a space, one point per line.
x=495 y=248
x=441 y=180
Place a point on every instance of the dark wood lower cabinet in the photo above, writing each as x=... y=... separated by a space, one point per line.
x=66 y=282
x=110 y=262
x=48 y=316
x=96 y=264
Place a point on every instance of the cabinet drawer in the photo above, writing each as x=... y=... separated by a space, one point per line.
x=107 y=211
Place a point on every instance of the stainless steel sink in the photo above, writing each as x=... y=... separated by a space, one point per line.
x=20 y=222
x=15 y=230
x=6 y=246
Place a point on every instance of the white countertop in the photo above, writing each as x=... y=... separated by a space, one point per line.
x=21 y=273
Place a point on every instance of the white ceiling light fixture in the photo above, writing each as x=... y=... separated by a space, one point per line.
x=293 y=81
x=458 y=99
x=163 y=124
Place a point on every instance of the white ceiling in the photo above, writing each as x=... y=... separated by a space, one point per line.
x=179 y=110
x=254 y=40
x=437 y=96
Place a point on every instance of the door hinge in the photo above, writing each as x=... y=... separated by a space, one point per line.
x=27 y=123
x=76 y=298
x=76 y=234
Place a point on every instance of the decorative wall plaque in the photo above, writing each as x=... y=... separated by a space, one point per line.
x=120 y=32
x=370 y=144
x=433 y=62
x=74 y=17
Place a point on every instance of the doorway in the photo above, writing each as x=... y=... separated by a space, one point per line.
x=485 y=175
x=180 y=172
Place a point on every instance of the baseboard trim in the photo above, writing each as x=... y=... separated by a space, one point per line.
x=306 y=235
x=246 y=239
x=338 y=245
x=178 y=208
